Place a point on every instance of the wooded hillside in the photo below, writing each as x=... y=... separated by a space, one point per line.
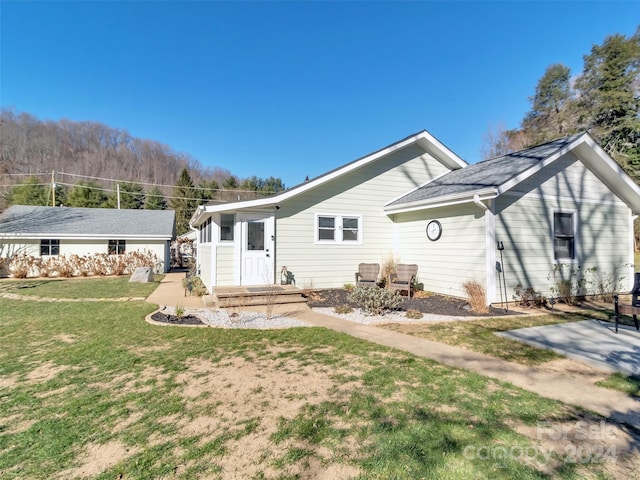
x=30 y=145
x=92 y=161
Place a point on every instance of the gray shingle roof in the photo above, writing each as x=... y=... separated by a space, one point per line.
x=24 y=220
x=484 y=175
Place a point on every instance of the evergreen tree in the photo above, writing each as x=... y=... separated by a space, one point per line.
x=184 y=202
x=207 y=190
x=155 y=200
x=549 y=116
x=231 y=183
x=272 y=185
x=31 y=192
x=88 y=195
x=609 y=93
x=131 y=196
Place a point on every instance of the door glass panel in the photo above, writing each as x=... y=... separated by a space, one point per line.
x=255 y=236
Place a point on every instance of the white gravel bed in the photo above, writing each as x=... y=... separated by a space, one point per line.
x=359 y=316
x=221 y=318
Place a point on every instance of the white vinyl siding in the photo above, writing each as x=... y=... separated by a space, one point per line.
x=567 y=179
x=603 y=239
x=83 y=248
x=365 y=192
x=457 y=256
x=226 y=265
x=204 y=264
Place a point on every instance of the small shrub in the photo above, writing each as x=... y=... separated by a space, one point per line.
x=349 y=287
x=568 y=284
x=65 y=269
x=179 y=311
x=414 y=314
x=604 y=284
x=476 y=296
x=375 y=301
x=528 y=297
x=46 y=268
x=195 y=285
x=343 y=309
x=21 y=266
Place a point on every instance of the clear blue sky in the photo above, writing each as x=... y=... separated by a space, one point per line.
x=293 y=88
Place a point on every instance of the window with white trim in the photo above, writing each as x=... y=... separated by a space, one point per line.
x=564 y=235
x=49 y=246
x=227 y=225
x=205 y=231
x=338 y=229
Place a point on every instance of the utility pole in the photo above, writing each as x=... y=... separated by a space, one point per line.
x=53 y=187
x=118 y=192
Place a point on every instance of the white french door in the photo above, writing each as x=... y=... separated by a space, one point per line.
x=257 y=251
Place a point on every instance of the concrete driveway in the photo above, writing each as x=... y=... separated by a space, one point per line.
x=591 y=341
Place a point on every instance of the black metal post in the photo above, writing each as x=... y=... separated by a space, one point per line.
x=615 y=311
x=504 y=280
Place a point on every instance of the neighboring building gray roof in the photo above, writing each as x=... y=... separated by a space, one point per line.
x=24 y=221
x=485 y=175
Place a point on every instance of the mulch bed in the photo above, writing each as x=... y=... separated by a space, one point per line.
x=434 y=304
x=175 y=320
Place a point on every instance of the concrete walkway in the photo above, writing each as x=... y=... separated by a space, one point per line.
x=170 y=292
x=609 y=403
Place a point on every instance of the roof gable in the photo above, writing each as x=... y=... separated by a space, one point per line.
x=491 y=178
x=65 y=222
x=424 y=139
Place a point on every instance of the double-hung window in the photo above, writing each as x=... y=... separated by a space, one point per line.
x=342 y=229
x=564 y=236
x=117 y=247
x=227 y=225
x=49 y=247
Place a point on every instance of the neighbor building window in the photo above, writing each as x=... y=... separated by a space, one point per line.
x=227 y=224
x=49 y=247
x=338 y=229
x=564 y=236
x=117 y=247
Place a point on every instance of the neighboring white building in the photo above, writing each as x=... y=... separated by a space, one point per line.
x=562 y=203
x=49 y=231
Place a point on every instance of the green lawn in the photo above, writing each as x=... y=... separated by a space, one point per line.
x=90 y=390
x=92 y=287
x=480 y=336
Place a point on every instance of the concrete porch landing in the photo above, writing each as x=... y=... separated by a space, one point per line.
x=251 y=295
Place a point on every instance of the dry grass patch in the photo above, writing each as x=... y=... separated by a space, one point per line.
x=45 y=372
x=96 y=458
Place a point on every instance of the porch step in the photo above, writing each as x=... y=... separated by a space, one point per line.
x=259 y=295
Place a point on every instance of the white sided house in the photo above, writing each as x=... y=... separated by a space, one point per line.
x=564 y=206
x=56 y=231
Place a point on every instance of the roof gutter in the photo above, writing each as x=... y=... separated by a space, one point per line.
x=444 y=201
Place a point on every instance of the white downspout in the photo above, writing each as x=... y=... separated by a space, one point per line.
x=490 y=260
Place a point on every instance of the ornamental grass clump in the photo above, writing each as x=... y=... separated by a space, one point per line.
x=375 y=301
x=476 y=296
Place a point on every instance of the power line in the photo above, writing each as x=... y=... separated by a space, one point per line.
x=90 y=187
x=113 y=180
